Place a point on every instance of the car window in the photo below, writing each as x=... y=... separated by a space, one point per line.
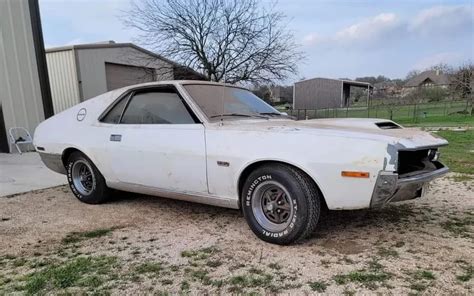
x=156 y=108
x=217 y=99
x=114 y=114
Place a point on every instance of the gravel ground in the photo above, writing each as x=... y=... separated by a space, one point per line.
x=52 y=243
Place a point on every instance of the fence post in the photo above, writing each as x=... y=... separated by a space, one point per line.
x=305 y=116
x=414 y=113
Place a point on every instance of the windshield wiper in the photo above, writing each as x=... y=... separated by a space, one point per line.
x=238 y=114
x=271 y=113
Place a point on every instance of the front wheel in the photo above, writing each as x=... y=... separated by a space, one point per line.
x=280 y=203
x=85 y=180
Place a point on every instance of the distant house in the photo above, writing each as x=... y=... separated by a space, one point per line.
x=386 y=88
x=431 y=78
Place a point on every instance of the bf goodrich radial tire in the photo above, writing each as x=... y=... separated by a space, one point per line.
x=280 y=203
x=85 y=180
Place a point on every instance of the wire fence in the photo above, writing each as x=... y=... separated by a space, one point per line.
x=408 y=113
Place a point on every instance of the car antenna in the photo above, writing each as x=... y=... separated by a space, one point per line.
x=223 y=92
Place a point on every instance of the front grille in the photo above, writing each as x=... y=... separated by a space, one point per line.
x=416 y=162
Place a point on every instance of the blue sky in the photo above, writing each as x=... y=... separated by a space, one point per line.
x=340 y=38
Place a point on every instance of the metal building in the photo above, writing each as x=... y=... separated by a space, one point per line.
x=322 y=93
x=25 y=98
x=80 y=72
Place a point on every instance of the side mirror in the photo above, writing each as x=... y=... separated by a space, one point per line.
x=284 y=113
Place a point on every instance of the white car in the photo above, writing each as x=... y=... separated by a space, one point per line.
x=221 y=145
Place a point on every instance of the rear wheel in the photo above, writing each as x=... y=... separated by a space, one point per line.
x=280 y=203
x=85 y=180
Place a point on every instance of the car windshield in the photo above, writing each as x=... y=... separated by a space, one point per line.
x=217 y=101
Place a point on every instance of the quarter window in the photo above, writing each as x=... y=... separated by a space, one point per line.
x=114 y=114
x=156 y=107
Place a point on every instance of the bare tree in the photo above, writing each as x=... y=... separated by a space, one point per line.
x=412 y=74
x=231 y=40
x=441 y=67
x=462 y=83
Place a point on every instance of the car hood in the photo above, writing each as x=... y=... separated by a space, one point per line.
x=364 y=128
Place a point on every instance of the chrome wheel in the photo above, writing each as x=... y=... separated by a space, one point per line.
x=272 y=206
x=83 y=177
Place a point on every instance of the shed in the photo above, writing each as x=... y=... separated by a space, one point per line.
x=322 y=93
x=25 y=99
x=80 y=72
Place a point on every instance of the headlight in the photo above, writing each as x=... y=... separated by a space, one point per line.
x=433 y=154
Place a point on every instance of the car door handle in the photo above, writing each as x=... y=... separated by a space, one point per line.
x=115 y=138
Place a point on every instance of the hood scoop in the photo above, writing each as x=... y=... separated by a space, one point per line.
x=387 y=125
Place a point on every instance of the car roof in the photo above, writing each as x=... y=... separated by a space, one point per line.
x=180 y=82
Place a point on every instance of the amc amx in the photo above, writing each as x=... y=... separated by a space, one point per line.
x=221 y=145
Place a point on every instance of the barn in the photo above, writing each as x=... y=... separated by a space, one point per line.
x=323 y=93
x=80 y=72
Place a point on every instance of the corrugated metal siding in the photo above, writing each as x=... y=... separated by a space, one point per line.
x=318 y=93
x=92 y=67
x=20 y=92
x=118 y=76
x=63 y=79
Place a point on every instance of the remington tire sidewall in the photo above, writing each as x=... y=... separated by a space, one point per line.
x=290 y=180
x=99 y=190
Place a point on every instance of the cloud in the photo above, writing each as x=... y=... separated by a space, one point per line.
x=365 y=32
x=449 y=58
x=312 y=39
x=443 y=20
x=368 y=29
x=437 y=21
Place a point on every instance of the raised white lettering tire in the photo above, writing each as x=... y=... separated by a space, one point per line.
x=280 y=203
x=85 y=180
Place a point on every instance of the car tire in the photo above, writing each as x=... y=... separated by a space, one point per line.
x=280 y=203
x=85 y=180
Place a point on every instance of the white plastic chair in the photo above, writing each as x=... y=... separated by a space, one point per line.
x=20 y=136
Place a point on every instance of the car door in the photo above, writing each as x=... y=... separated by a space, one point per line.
x=157 y=142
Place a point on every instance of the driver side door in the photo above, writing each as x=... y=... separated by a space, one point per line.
x=158 y=142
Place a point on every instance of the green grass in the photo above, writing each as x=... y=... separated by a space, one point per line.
x=200 y=254
x=318 y=286
x=428 y=114
x=80 y=272
x=424 y=274
x=459 y=155
x=75 y=237
x=251 y=280
x=149 y=267
x=459 y=226
x=368 y=279
x=421 y=279
x=467 y=275
x=384 y=252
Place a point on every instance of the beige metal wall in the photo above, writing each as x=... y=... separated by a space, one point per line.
x=317 y=93
x=91 y=63
x=20 y=92
x=63 y=79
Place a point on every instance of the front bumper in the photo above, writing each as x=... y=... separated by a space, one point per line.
x=390 y=187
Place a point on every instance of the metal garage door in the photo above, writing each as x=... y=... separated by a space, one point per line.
x=123 y=75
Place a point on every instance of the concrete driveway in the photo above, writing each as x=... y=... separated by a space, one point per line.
x=26 y=172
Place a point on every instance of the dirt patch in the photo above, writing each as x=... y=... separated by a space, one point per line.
x=50 y=242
